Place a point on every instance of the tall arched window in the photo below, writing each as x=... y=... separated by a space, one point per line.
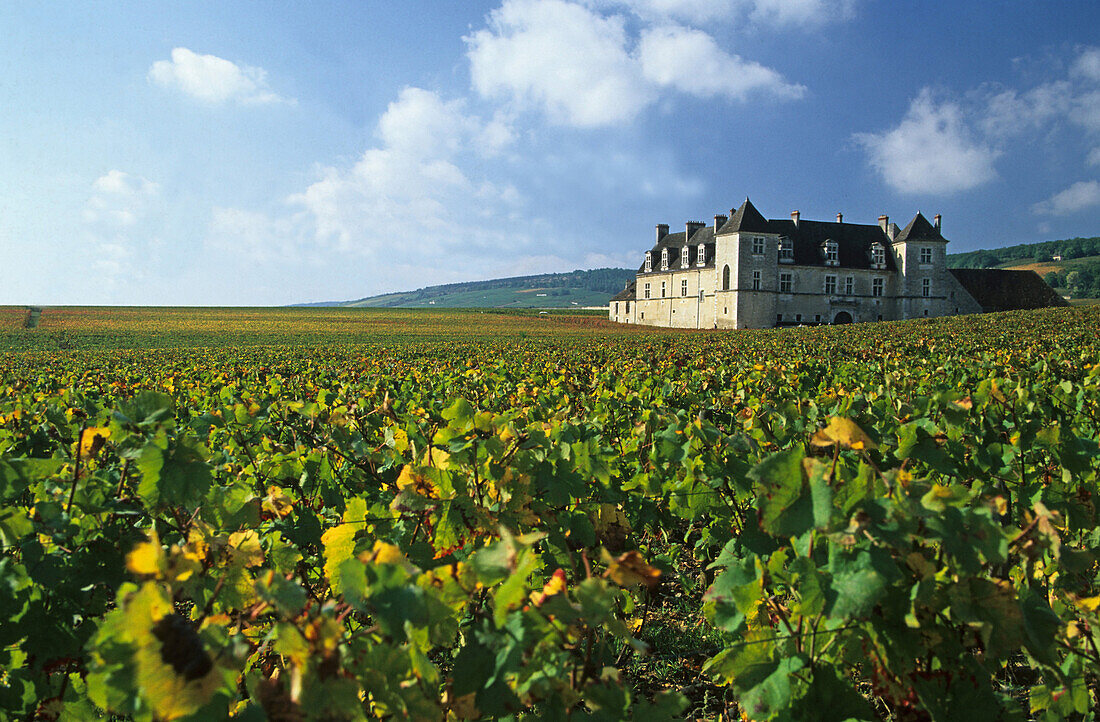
x=726 y=278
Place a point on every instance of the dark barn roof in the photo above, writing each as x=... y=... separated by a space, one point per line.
x=1000 y=290
x=627 y=294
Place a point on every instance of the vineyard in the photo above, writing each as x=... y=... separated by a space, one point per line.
x=332 y=514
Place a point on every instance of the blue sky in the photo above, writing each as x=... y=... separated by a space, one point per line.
x=270 y=153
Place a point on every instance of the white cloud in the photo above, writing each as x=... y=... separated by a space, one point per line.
x=1011 y=112
x=408 y=197
x=118 y=199
x=932 y=150
x=1079 y=196
x=691 y=61
x=561 y=56
x=580 y=68
x=1086 y=111
x=213 y=80
x=117 y=224
x=951 y=145
x=1087 y=65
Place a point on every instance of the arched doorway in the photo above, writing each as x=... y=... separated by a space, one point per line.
x=842 y=318
x=726 y=278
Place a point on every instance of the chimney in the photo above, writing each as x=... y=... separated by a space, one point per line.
x=690 y=227
x=794 y=218
x=839 y=217
x=884 y=223
x=719 y=221
x=936 y=221
x=662 y=231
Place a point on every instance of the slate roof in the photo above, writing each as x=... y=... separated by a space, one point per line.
x=999 y=290
x=919 y=229
x=674 y=242
x=853 y=241
x=745 y=219
x=627 y=294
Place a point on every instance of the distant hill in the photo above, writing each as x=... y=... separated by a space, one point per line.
x=546 y=290
x=1071 y=266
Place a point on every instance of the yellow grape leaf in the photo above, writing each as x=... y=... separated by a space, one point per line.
x=384 y=553
x=844 y=432
x=556 y=585
x=174 y=674
x=339 y=544
x=244 y=548
x=418 y=483
x=92 y=440
x=277 y=502
x=630 y=569
x=147 y=558
x=1089 y=604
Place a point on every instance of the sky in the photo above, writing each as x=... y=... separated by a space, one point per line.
x=213 y=153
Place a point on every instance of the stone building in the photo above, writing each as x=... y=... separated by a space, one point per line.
x=745 y=271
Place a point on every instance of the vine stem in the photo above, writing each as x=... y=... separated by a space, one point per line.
x=76 y=468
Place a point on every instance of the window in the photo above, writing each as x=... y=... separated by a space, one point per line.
x=785 y=283
x=647 y=290
x=798 y=318
x=628 y=306
x=700 y=294
x=701 y=256
x=684 y=287
x=926 y=287
x=726 y=278
x=876 y=287
x=849 y=286
x=648 y=262
x=779 y=318
x=926 y=255
x=878 y=256
x=786 y=250
x=756 y=280
x=830 y=285
x=832 y=253
x=616 y=308
x=664 y=259
x=758 y=245
x=662 y=289
x=817 y=317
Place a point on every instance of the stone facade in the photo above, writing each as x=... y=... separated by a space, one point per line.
x=747 y=272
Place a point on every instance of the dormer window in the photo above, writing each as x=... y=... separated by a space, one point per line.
x=832 y=252
x=878 y=256
x=664 y=259
x=701 y=256
x=786 y=250
x=685 y=257
x=648 y=261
